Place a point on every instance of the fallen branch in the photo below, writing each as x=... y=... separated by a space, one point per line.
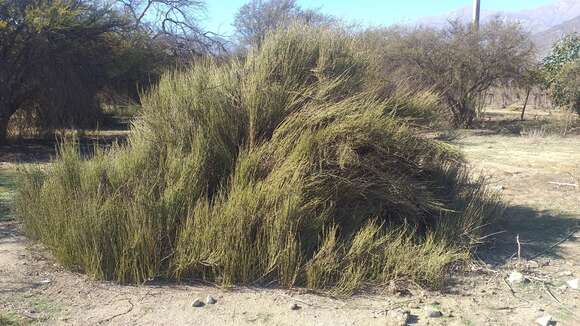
x=550 y=293
x=118 y=315
x=557 y=243
x=514 y=292
x=564 y=184
x=519 y=247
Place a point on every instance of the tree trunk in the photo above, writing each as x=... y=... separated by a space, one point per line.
x=525 y=103
x=3 y=128
x=466 y=115
x=6 y=111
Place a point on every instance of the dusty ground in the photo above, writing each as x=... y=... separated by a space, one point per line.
x=543 y=213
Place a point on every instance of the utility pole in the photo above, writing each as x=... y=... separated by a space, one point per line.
x=476 y=12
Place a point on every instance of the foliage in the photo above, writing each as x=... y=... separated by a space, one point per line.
x=282 y=167
x=569 y=79
x=51 y=53
x=458 y=63
x=60 y=58
x=561 y=72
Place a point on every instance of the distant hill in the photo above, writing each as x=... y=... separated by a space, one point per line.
x=535 y=20
x=544 y=40
x=546 y=23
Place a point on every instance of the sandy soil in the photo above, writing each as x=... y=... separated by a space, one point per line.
x=543 y=215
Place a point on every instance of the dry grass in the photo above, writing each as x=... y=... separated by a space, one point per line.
x=7 y=187
x=538 y=123
x=537 y=160
x=284 y=167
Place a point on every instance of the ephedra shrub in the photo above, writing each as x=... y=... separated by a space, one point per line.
x=283 y=167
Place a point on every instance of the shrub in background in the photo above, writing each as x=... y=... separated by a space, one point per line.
x=458 y=63
x=562 y=70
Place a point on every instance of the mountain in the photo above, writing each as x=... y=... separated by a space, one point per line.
x=534 y=20
x=544 y=40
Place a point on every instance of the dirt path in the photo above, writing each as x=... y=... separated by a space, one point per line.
x=35 y=290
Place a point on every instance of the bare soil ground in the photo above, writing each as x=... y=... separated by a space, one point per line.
x=534 y=172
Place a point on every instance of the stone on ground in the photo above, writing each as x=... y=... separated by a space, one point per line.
x=210 y=300
x=432 y=312
x=545 y=320
x=398 y=317
x=294 y=306
x=516 y=278
x=573 y=283
x=197 y=303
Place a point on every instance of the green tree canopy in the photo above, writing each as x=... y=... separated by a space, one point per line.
x=562 y=72
x=51 y=57
x=57 y=56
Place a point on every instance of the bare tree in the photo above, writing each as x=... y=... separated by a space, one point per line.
x=173 y=22
x=257 y=17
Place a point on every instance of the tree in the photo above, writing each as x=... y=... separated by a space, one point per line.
x=459 y=63
x=256 y=18
x=51 y=57
x=172 y=23
x=531 y=78
x=569 y=79
x=57 y=56
x=562 y=72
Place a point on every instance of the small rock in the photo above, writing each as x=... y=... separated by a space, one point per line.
x=516 y=278
x=412 y=305
x=294 y=306
x=398 y=317
x=210 y=300
x=45 y=281
x=433 y=312
x=545 y=320
x=533 y=264
x=566 y=273
x=573 y=283
x=197 y=303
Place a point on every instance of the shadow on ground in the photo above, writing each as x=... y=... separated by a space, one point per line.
x=496 y=123
x=539 y=233
x=35 y=150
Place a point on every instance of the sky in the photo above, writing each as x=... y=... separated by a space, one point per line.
x=220 y=13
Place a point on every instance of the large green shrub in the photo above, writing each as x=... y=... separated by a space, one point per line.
x=281 y=167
